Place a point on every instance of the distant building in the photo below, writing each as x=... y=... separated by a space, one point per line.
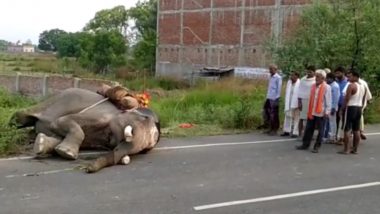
x=14 y=48
x=21 y=48
x=28 y=48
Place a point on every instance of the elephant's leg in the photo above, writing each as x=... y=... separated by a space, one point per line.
x=44 y=144
x=74 y=136
x=119 y=155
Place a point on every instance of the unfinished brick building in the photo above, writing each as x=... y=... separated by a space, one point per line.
x=196 y=33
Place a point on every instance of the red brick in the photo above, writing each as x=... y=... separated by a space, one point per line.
x=170 y=54
x=253 y=3
x=30 y=85
x=196 y=28
x=8 y=82
x=291 y=22
x=195 y=55
x=59 y=83
x=169 y=29
x=196 y=4
x=295 y=2
x=170 y=4
x=227 y=3
x=253 y=56
x=226 y=27
x=257 y=27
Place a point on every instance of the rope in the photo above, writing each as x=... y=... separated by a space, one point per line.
x=93 y=105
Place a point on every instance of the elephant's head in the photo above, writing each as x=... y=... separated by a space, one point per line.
x=139 y=129
x=140 y=133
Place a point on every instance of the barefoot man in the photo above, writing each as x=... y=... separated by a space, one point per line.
x=352 y=110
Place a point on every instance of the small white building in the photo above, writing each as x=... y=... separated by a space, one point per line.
x=28 y=48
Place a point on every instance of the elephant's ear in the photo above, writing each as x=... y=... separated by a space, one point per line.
x=22 y=120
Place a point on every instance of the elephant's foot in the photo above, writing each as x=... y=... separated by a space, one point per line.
x=44 y=145
x=67 y=152
x=125 y=160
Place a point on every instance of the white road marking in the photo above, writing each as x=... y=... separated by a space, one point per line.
x=17 y=158
x=40 y=173
x=222 y=144
x=181 y=147
x=371 y=134
x=291 y=195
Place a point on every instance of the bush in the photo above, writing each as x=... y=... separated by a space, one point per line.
x=10 y=138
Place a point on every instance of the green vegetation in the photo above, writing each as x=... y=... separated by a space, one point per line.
x=3 y=45
x=229 y=106
x=11 y=140
x=42 y=63
x=333 y=33
x=226 y=107
x=108 y=42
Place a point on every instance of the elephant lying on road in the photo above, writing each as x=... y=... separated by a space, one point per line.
x=69 y=121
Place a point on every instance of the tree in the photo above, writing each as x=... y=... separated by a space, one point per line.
x=102 y=50
x=3 y=45
x=144 y=14
x=69 y=45
x=109 y=20
x=339 y=32
x=48 y=40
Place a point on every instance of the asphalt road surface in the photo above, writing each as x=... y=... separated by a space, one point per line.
x=250 y=173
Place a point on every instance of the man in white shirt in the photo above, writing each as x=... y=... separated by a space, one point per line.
x=291 y=106
x=304 y=95
x=367 y=99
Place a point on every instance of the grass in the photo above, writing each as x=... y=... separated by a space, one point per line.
x=372 y=113
x=228 y=106
x=11 y=139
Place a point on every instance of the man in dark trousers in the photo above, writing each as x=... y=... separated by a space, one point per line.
x=272 y=103
x=340 y=74
x=352 y=111
x=319 y=110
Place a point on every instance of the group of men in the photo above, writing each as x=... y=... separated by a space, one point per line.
x=331 y=102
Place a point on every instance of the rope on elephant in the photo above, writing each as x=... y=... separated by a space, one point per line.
x=93 y=105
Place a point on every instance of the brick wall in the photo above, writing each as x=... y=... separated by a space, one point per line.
x=37 y=85
x=221 y=32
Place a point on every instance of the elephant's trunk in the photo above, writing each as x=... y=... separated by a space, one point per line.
x=110 y=159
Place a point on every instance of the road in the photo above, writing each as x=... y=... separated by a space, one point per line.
x=250 y=173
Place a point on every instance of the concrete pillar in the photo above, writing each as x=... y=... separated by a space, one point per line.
x=76 y=82
x=45 y=85
x=17 y=84
x=241 y=58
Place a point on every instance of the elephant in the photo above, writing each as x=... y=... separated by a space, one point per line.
x=78 y=119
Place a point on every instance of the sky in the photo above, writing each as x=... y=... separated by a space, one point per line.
x=26 y=19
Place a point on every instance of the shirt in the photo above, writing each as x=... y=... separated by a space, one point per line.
x=368 y=95
x=305 y=87
x=335 y=95
x=342 y=84
x=274 y=87
x=326 y=107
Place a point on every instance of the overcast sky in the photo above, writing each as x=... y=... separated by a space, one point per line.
x=26 y=19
